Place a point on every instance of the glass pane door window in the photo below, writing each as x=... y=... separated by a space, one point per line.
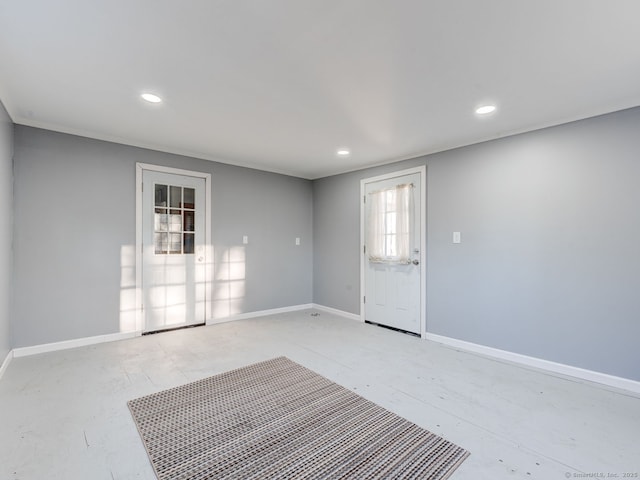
x=390 y=224
x=174 y=221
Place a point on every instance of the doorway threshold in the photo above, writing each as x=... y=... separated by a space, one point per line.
x=184 y=327
x=413 y=334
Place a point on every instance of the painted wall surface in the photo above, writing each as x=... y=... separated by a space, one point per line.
x=549 y=264
x=75 y=235
x=6 y=230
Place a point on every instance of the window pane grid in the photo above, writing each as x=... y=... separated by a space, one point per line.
x=174 y=227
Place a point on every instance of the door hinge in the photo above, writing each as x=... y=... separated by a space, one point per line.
x=364 y=299
x=364 y=199
x=364 y=249
x=142 y=186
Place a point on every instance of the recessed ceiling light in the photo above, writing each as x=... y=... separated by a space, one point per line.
x=343 y=152
x=151 y=98
x=485 y=109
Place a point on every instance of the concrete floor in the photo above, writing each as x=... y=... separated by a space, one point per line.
x=63 y=415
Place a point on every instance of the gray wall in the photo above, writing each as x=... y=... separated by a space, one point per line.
x=549 y=264
x=75 y=228
x=6 y=230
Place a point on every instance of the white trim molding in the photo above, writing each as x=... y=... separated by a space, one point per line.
x=538 y=363
x=335 y=311
x=259 y=313
x=5 y=363
x=67 y=344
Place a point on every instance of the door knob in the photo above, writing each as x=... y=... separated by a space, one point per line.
x=416 y=262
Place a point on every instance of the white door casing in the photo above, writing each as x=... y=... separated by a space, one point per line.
x=172 y=256
x=393 y=294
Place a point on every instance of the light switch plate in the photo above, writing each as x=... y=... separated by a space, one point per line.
x=245 y=239
x=297 y=240
x=456 y=237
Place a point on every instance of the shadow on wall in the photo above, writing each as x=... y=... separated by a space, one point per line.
x=168 y=296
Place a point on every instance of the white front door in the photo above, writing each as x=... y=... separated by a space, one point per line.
x=173 y=250
x=393 y=251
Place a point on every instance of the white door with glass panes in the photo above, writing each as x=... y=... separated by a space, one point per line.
x=173 y=231
x=392 y=252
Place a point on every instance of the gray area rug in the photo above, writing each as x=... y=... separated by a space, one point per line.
x=277 y=419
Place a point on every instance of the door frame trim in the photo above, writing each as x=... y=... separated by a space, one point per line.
x=140 y=168
x=422 y=170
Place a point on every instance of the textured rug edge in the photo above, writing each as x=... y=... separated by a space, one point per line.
x=464 y=454
x=455 y=466
x=141 y=435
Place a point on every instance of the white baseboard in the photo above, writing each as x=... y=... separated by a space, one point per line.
x=5 y=363
x=335 y=311
x=259 y=313
x=82 y=342
x=538 y=363
x=78 y=342
x=275 y=311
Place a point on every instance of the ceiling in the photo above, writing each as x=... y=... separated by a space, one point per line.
x=280 y=85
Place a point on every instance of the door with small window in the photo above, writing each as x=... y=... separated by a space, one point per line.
x=392 y=252
x=173 y=272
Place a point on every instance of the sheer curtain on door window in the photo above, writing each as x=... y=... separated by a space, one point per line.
x=390 y=224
